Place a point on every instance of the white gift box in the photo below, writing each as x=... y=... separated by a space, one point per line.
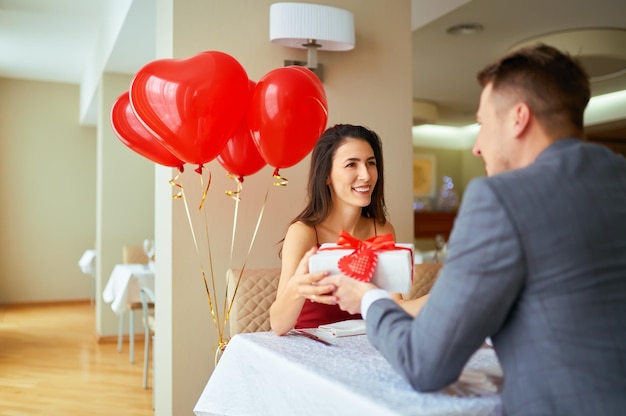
x=394 y=270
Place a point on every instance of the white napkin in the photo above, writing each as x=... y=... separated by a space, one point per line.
x=474 y=382
x=344 y=328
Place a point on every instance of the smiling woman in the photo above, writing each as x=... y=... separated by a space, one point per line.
x=345 y=192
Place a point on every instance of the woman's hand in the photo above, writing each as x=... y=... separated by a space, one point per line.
x=307 y=284
x=349 y=292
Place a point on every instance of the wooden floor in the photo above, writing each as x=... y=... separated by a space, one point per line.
x=50 y=364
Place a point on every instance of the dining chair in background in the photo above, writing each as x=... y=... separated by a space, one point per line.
x=131 y=254
x=134 y=254
x=147 y=307
x=255 y=294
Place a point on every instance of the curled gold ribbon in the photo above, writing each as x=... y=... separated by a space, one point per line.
x=235 y=194
x=280 y=181
x=174 y=182
x=206 y=190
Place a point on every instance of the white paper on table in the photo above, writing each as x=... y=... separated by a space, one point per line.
x=394 y=271
x=478 y=382
x=344 y=328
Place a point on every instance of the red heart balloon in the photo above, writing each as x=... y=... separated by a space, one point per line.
x=191 y=105
x=288 y=113
x=240 y=156
x=133 y=134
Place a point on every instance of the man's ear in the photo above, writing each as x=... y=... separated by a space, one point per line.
x=521 y=118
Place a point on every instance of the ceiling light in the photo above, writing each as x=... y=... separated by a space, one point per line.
x=600 y=51
x=465 y=29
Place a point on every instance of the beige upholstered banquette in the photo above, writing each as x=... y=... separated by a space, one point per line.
x=257 y=291
x=255 y=294
x=424 y=276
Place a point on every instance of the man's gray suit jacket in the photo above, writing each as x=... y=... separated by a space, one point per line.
x=537 y=261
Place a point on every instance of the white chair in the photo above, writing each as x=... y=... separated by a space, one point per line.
x=147 y=307
x=131 y=254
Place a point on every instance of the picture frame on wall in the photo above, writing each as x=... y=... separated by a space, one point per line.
x=424 y=171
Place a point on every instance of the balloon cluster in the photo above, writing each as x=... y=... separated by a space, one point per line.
x=204 y=107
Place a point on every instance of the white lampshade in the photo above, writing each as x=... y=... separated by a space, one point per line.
x=297 y=24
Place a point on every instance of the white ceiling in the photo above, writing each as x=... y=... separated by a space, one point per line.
x=53 y=40
x=445 y=66
x=47 y=40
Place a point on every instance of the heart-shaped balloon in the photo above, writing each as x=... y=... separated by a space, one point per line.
x=288 y=113
x=191 y=105
x=240 y=156
x=133 y=134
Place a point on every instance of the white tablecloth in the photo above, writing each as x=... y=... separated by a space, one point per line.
x=122 y=289
x=263 y=374
x=87 y=262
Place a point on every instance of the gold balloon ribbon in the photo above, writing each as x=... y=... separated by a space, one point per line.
x=221 y=347
x=235 y=194
x=243 y=267
x=214 y=313
x=219 y=325
x=280 y=180
x=206 y=190
x=174 y=182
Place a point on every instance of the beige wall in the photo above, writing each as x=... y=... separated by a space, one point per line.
x=47 y=208
x=370 y=85
x=125 y=199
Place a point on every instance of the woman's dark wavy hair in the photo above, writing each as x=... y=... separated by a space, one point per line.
x=319 y=201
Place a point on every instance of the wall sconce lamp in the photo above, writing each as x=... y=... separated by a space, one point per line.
x=311 y=27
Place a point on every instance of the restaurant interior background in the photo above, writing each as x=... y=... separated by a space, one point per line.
x=69 y=184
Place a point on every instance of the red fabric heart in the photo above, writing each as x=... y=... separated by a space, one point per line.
x=360 y=264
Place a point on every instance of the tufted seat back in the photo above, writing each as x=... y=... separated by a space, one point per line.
x=424 y=276
x=255 y=295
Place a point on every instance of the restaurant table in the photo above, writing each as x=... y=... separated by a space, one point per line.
x=122 y=291
x=87 y=264
x=264 y=374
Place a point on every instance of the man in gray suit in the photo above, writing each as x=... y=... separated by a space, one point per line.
x=536 y=259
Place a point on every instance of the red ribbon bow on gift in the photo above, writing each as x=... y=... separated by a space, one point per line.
x=361 y=263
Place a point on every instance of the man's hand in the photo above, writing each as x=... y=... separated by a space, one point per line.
x=348 y=292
